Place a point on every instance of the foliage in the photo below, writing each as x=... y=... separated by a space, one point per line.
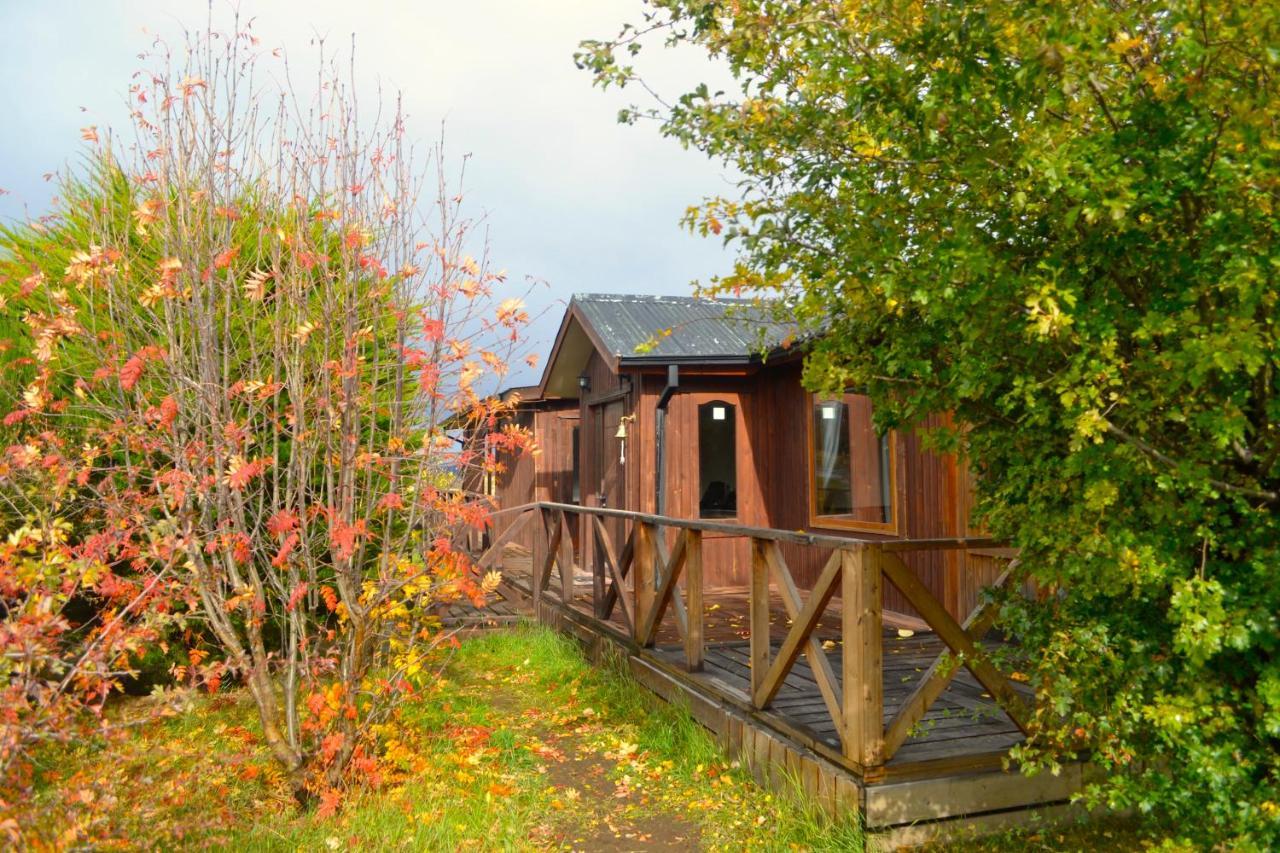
x=1058 y=222
x=522 y=745
x=238 y=337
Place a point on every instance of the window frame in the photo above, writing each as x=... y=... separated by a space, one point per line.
x=844 y=522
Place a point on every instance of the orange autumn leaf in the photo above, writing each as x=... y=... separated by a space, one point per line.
x=224 y=258
x=190 y=84
x=242 y=473
x=330 y=802
x=286 y=548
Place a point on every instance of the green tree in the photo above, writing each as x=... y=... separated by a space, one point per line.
x=1057 y=221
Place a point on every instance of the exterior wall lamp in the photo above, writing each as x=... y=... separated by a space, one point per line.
x=584 y=382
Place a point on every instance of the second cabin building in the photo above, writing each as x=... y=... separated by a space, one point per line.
x=670 y=406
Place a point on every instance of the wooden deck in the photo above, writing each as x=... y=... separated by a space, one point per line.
x=880 y=721
x=963 y=724
x=964 y=727
x=504 y=608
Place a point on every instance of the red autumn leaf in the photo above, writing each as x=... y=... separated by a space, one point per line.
x=244 y=473
x=391 y=500
x=294 y=597
x=168 y=412
x=343 y=536
x=330 y=746
x=286 y=548
x=432 y=329
x=224 y=258
x=131 y=372
x=330 y=802
x=282 y=522
x=240 y=548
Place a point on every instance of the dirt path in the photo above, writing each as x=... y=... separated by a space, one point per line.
x=602 y=812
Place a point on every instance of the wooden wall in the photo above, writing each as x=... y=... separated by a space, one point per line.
x=727 y=561
x=773 y=488
x=543 y=476
x=609 y=398
x=925 y=498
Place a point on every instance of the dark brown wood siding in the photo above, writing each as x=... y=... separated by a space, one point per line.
x=772 y=473
x=544 y=475
x=925 y=501
x=727 y=561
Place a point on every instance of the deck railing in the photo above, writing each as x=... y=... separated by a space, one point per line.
x=673 y=583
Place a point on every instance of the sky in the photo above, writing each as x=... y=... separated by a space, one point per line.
x=571 y=197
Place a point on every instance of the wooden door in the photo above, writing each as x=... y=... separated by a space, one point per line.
x=612 y=456
x=713 y=476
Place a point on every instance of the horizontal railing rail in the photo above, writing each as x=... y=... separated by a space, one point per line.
x=797 y=537
x=650 y=583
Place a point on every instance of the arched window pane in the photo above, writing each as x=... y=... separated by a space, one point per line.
x=717 y=460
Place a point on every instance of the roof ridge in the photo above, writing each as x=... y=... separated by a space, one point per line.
x=652 y=297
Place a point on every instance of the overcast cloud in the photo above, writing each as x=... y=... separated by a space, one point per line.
x=571 y=196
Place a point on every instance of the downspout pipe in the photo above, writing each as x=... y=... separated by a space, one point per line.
x=660 y=437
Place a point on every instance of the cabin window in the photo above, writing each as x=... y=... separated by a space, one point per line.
x=852 y=465
x=717 y=460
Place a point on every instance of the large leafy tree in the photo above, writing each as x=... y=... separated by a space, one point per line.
x=1057 y=221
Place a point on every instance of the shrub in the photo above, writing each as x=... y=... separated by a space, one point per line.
x=239 y=342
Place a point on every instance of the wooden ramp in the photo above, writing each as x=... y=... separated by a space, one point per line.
x=781 y=676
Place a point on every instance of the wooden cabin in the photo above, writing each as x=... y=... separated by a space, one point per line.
x=804 y=583
x=688 y=407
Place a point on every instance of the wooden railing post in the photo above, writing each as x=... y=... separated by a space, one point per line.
x=693 y=636
x=565 y=563
x=644 y=572
x=539 y=556
x=593 y=558
x=861 y=628
x=758 y=608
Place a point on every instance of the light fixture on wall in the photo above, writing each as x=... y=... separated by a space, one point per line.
x=584 y=382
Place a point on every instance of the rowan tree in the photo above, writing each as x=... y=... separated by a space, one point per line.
x=243 y=323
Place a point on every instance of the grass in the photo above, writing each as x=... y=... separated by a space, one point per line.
x=522 y=746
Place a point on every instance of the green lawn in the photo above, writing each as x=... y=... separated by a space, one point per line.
x=522 y=746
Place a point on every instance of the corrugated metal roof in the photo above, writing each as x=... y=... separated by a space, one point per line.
x=683 y=327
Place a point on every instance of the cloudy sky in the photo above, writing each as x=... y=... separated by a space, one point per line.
x=571 y=197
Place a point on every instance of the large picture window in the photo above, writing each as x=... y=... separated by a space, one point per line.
x=852 y=465
x=717 y=460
